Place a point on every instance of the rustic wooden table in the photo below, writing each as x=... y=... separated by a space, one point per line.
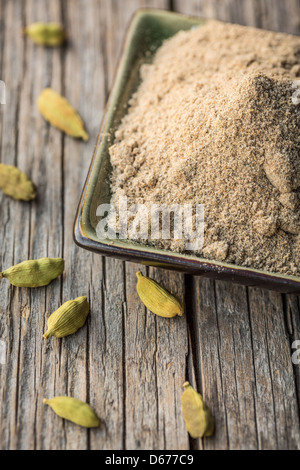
x=234 y=343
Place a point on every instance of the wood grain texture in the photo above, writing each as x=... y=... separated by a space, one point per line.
x=233 y=343
x=269 y=14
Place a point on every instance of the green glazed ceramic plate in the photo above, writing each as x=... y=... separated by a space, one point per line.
x=147 y=31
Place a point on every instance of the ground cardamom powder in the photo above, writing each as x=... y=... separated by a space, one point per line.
x=213 y=122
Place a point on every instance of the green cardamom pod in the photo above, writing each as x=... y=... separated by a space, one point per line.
x=46 y=34
x=34 y=273
x=15 y=183
x=198 y=419
x=74 y=410
x=68 y=318
x=157 y=299
x=58 y=111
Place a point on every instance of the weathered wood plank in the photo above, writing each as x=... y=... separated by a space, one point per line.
x=276 y=398
x=155 y=352
x=222 y=340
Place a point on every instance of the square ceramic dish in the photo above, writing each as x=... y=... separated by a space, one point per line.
x=147 y=31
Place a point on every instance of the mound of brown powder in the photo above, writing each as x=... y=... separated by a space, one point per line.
x=213 y=123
